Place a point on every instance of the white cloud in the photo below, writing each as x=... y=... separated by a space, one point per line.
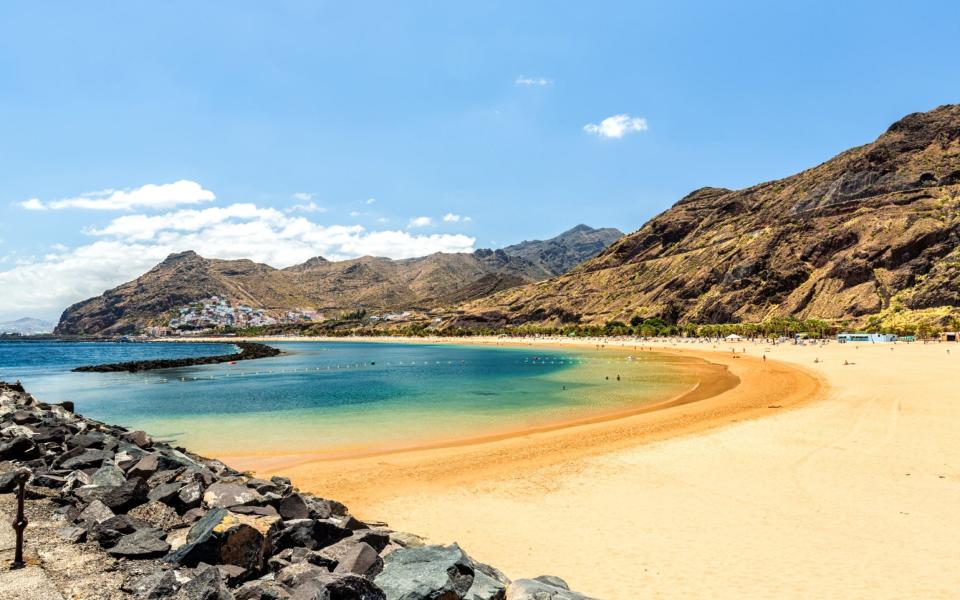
x=371 y=200
x=419 y=222
x=129 y=245
x=355 y=213
x=33 y=204
x=303 y=196
x=454 y=218
x=309 y=207
x=532 y=81
x=149 y=196
x=617 y=126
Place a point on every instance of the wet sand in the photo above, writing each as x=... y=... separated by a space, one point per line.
x=810 y=478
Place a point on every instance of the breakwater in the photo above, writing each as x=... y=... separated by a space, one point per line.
x=248 y=351
x=181 y=526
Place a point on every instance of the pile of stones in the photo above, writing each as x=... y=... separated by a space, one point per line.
x=199 y=530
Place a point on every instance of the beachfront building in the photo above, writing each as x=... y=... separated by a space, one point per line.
x=950 y=336
x=868 y=338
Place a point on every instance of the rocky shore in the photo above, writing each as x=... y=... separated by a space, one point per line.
x=155 y=521
x=248 y=351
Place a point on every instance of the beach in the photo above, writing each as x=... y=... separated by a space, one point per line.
x=810 y=478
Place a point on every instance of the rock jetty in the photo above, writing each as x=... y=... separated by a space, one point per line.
x=160 y=522
x=248 y=351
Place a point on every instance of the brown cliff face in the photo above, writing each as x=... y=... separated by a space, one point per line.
x=875 y=227
x=373 y=283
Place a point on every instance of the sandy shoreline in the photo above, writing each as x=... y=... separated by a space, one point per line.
x=809 y=479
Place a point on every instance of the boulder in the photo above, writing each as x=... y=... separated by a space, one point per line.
x=225 y=495
x=146 y=467
x=407 y=540
x=234 y=575
x=433 y=572
x=360 y=559
x=299 y=573
x=85 y=459
x=142 y=543
x=154 y=586
x=222 y=537
x=96 y=512
x=262 y=485
x=488 y=584
x=48 y=481
x=294 y=507
x=377 y=539
x=138 y=438
x=77 y=479
x=330 y=586
x=261 y=590
x=309 y=533
x=121 y=498
x=19 y=448
x=89 y=439
x=263 y=511
x=544 y=587
x=108 y=475
x=189 y=495
x=72 y=534
x=165 y=492
x=109 y=532
x=8 y=482
x=207 y=584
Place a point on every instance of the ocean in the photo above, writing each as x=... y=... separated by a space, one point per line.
x=339 y=398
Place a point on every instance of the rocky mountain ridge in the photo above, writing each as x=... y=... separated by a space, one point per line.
x=876 y=228
x=371 y=283
x=27 y=326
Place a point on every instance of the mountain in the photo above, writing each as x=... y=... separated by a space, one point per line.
x=874 y=229
x=372 y=283
x=26 y=326
x=567 y=250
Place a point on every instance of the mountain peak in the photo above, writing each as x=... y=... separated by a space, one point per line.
x=177 y=257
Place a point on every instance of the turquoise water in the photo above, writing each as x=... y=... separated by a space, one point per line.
x=339 y=397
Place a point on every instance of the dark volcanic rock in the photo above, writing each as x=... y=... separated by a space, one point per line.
x=360 y=559
x=142 y=543
x=261 y=590
x=434 y=572
x=227 y=538
x=18 y=448
x=248 y=351
x=136 y=504
x=488 y=583
x=310 y=533
x=154 y=586
x=294 y=507
x=545 y=587
x=225 y=495
x=336 y=586
x=207 y=584
x=120 y=498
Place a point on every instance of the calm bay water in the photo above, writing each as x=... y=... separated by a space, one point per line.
x=340 y=397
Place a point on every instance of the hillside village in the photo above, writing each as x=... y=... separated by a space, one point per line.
x=216 y=313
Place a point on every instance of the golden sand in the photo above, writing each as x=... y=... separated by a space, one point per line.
x=810 y=478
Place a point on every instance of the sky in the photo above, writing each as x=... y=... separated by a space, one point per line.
x=278 y=131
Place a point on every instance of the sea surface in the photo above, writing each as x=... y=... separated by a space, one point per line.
x=340 y=398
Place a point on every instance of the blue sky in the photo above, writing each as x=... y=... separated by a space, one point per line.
x=301 y=128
